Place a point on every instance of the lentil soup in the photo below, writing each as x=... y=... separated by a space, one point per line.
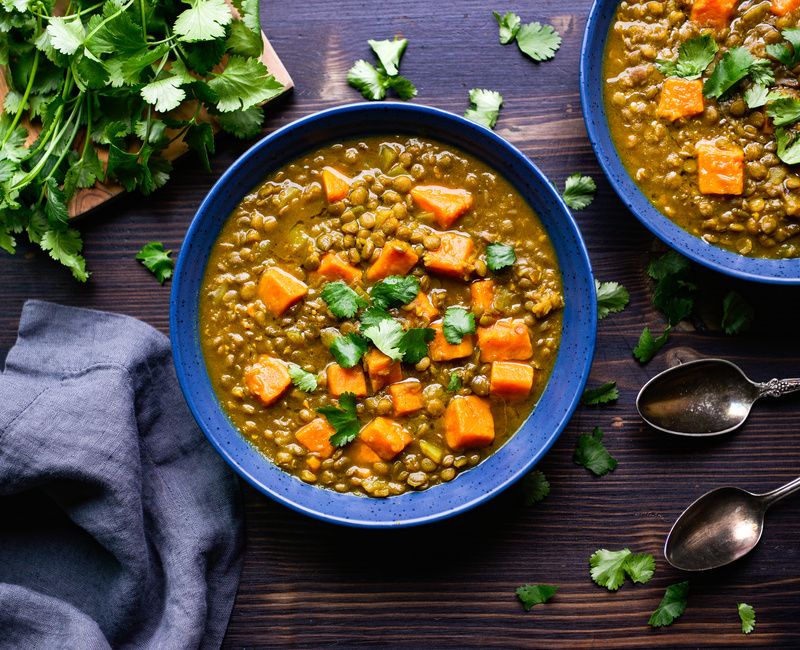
x=380 y=315
x=696 y=93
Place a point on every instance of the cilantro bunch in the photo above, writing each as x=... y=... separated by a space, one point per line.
x=130 y=76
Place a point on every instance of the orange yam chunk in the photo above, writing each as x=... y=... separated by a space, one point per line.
x=279 y=290
x=453 y=255
x=382 y=370
x=446 y=204
x=313 y=463
x=440 y=350
x=267 y=378
x=396 y=258
x=482 y=293
x=362 y=455
x=423 y=307
x=716 y=13
x=406 y=396
x=720 y=171
x=346 y=380
x=336 y=184
x=507 y=339
x=315 y=436
x=510 y=379
x=335 y=268
x=680 y=98
x=468 y=422
x=385 y=437
x=783 y=7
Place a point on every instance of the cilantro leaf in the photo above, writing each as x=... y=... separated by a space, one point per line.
x=756 y=96
x=414 y=344
x=205 y=20
x=788 y=146
x=343 y=419
x=164 y=94
x=199 y=138
x=454 y=383
x=348 y=349
x=484 y=107
x=389 y=53
x=787 y=53
x=694 y=56
x=243 y=83
x=784 y=110
x=458 y=322
x=394 y=291
x=65 y=246
x=640 y=567
x=83 y=173
x=535 y=487
x=302 y=379
x=592 y=454
x=540 y=42
x=531 y=595
x=612 y=297
x=386 y=335
x=674 y=292
x=242 y=124
x=341 y=299
x=747 y=615
x=672 y=605
x=607 y=568
x=734 y=66
x=579 y=191
x=56 y=206
x=647 y=347
x=737 y=314
x=499 y=256
x=402 y=86
x=244 y=41
x=601 y=394
x=66 y=33
x=509 y=24
x=367 y=80
x=156 y=260
x=374 y=315
x=761 y=72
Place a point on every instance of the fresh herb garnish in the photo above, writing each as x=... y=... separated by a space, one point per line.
x=747 y=615
x=484 y=107
x=458 y=322
x=302 y=379
x=788 y=146
x=499 y=257
x=672 y=605
x=386 y=336
x=758 y=95
x=535 y=487
x=784 y=110
x=694 y=56
x=647 y=347
x=538 y=41
x=737 y=313
x=509 y=26
x=579 y=191
x=371 y=316
x=592 y=454
x=341 y=299
x=601 y=394
x=609 y=568
x=374 y=81
x=640 y=567
x=394 y=291
x=787 y=53
x=348 y=349
x=612 y=297
x=531 y=595
x=343 y=419
x=736 y=64
x=414 y=344
x=454 y=383
x=674 y=291
x=389 y=53
x=157 y=260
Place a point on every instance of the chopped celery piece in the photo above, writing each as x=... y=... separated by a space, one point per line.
x=397 y=170
x=387 y=155
x=434 y=452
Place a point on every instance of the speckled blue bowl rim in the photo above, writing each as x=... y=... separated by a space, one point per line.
x=594 y=114
x=513 y=459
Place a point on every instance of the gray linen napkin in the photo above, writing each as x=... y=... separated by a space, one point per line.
x=119 y=524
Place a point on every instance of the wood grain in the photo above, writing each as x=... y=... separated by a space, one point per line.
x=312 y=585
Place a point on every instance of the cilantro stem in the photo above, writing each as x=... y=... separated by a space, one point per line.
x=21 y=109
x=77 y=13
x=144 y=19
x=67 y=147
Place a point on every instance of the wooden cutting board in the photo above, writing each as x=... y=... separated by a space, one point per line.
x=92 y=197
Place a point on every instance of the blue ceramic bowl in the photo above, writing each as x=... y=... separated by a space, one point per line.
x=512 y=460
x=592 y=85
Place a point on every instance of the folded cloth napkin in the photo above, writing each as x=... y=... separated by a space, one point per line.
x=119 y=524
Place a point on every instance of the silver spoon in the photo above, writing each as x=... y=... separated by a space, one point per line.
x=720 y=527
x=707 y=397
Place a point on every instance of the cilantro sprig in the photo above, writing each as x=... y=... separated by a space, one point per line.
x=648 y=345
x=735 y=65
x=484 y=107
x=373 y=81
x=342 y=301
x=787 y=53
x=539 y=41
x=591 y=453
x=612 y=297
x=157 y=260
x=302 y=379
x=737 y=313
x=694 y=56
x=579 y=191
x=535 y=487
x=457 y=323
x=532 y=595
x=343 y=419
x=609 y=568
x=602 y=394
x=394 y=291
x=500 y=256
x=348 y=349
x=747 y=615
x=672 y=605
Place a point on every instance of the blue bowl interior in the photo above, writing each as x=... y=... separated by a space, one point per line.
x=511 y=461
x=592 y=85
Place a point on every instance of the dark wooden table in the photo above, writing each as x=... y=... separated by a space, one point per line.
x=309 y=584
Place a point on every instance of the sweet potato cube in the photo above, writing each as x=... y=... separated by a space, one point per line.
x=783 y=7
x=385 y=437
x=440 y=350
x=333 y=267
x=396 y=258
x=715 y=13
x=361 y=454
x=267 y=378
x=507 y=339
x=468 y=422
x=336 y=184
x=406 y=396
x=382 y=370
x=446 y=204
x=346 y=380
x=482 y=293
x=279 y=290
x=315 y=436
x=720 y=171
x=453 y=255
x=423 y=307
x=680 y=98
x=511 y=379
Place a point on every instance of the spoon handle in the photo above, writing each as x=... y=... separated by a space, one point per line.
x=778 y=387
x=784 y=491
